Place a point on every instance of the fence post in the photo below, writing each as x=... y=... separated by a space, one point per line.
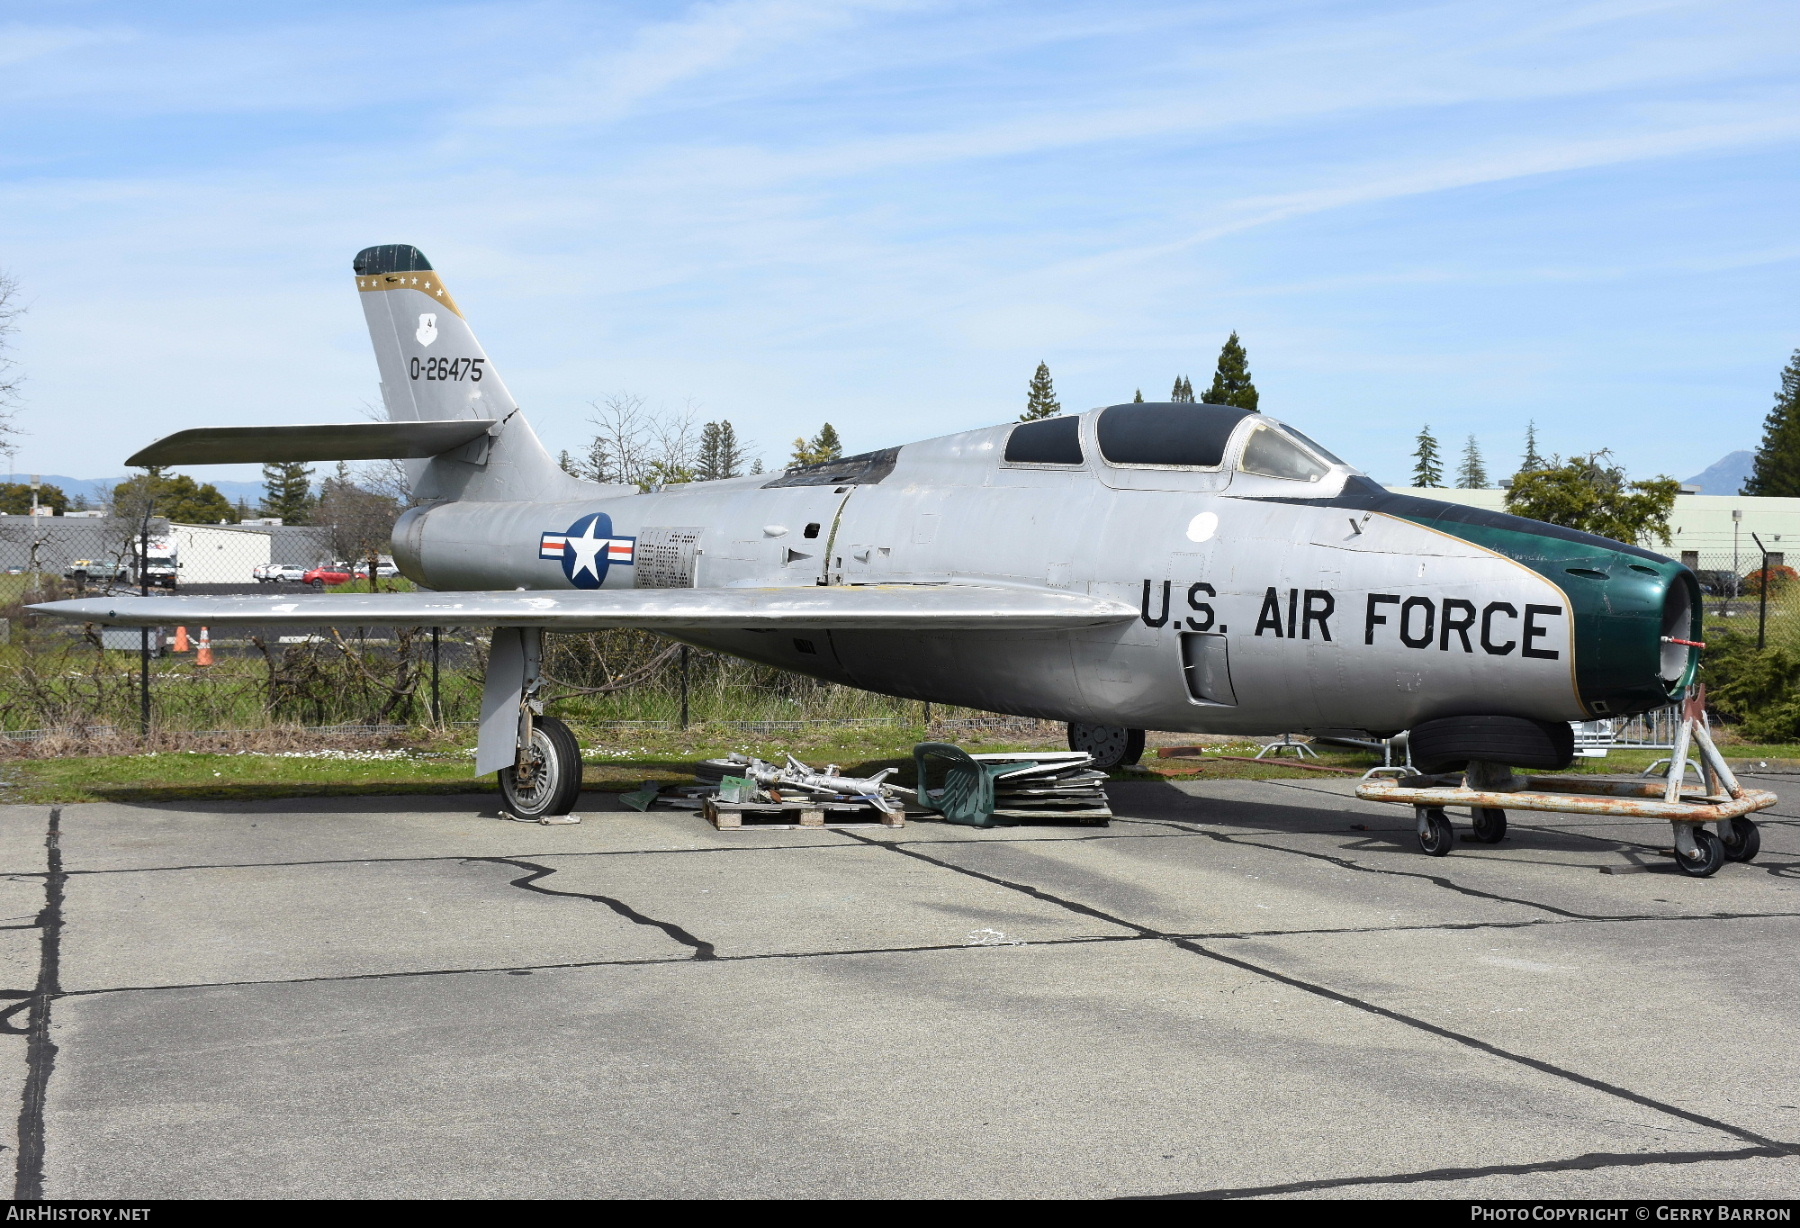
x=684 y=686
x=437 y=705
x=1762 y=595
x=144 y=632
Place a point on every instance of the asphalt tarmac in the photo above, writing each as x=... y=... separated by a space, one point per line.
x=1238 y=989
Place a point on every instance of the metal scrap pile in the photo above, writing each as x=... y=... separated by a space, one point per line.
x=1049 y=785
x=745 y=779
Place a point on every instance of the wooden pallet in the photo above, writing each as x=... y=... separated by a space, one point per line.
x=792 y=816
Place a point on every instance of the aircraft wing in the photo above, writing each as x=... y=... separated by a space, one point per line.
x=920 y=607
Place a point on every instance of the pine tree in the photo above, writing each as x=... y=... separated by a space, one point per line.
x=287 y=491
x=1183 y=391
x=1532 y=459
x=1040 y=397
x=1777 y=469
x=1139 y=398
x=824 y=446
x=1428 y=464
x=1472 y=473
x=721 y=455
x=566 y=463
x=1232 y=384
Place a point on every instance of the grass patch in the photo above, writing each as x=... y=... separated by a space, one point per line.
x=617 y=760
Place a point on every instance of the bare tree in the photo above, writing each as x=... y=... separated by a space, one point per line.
x=359 y=523
x=12 y=381
x=385 y=477
x=638 y=447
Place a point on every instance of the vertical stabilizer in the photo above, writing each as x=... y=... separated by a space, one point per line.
x=434 y=369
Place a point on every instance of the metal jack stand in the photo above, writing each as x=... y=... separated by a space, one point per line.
x=1490 y=790
x=1301 y=750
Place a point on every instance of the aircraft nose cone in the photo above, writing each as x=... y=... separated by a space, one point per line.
x=1630 y=613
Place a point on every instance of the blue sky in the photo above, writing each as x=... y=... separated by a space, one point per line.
x=885 y=214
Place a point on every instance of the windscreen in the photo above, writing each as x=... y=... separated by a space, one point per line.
x=1274 y=455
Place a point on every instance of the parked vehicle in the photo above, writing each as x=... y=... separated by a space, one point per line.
x=91 y=571
x=320 y=577
x=275 y=573
x=383 y=569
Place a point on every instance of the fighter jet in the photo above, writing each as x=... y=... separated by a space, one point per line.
x=1180 y=566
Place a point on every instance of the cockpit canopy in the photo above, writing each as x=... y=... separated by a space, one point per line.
x=1176 y=436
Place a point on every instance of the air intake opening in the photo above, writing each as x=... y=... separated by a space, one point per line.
x=1678 y=623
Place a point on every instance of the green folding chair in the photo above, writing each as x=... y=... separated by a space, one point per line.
x=967 y=793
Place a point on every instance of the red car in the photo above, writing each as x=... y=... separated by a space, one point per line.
x=319 y=577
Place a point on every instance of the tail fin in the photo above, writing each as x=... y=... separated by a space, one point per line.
x=433 y=369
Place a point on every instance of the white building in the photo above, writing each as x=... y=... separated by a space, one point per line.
x=1710 y=532
x=217 y=553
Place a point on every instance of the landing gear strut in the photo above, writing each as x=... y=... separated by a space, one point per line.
x=546 y=780
x=537 y=758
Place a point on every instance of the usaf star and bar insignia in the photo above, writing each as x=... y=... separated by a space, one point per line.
x=588 y=549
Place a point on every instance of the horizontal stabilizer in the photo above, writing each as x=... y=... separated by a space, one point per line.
x=921 y=607
x=236 y=445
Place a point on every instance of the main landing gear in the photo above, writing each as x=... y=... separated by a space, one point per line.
x=1110 y=746
x=536 y=757
x=546 y=779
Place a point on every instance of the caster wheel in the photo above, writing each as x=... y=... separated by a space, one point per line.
x=1742 y=840
x=1111 y=747
x=547 y=779
x=1436 y=836
x=1490 y=824
x=1708 y=855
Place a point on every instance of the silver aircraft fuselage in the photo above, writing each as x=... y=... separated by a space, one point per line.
x=1265 y=602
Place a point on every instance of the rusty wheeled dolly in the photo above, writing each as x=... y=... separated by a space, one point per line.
x=1490 y=790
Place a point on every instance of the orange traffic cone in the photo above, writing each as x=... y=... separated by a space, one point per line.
x=181 y=639
x=204 y=656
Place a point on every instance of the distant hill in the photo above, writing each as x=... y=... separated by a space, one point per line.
x=249 y=492
x=1725 y=476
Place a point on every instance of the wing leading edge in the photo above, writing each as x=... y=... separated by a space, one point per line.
x=923 y=607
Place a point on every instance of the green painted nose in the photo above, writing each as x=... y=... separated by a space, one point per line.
x=1631 y=608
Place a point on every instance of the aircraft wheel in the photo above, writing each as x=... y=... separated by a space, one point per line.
x=1110 y=746
x=1490 y=824
x=1709 y=854
x=1742 y=840
x=1436 y=836
x=547 y=779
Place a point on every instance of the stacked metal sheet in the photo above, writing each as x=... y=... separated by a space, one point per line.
x=1049 y=785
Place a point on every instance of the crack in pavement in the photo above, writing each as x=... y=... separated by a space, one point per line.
x=529 y=882
x=40 y=1050
x=1583 y=1163
x=921 y=948
x=1472 y=1042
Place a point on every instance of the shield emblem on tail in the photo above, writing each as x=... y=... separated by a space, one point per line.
x=427 y=328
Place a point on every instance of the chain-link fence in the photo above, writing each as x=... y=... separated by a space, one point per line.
x=89 y=682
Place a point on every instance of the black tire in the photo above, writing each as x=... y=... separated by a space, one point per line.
x=317 y=583
x=1711 y=856
x=549 y=781
x=1490 y=824
x=1742 y=840
x=712 y=771
x=1447 y=744
x=1110 y=746
x=1436 y=835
